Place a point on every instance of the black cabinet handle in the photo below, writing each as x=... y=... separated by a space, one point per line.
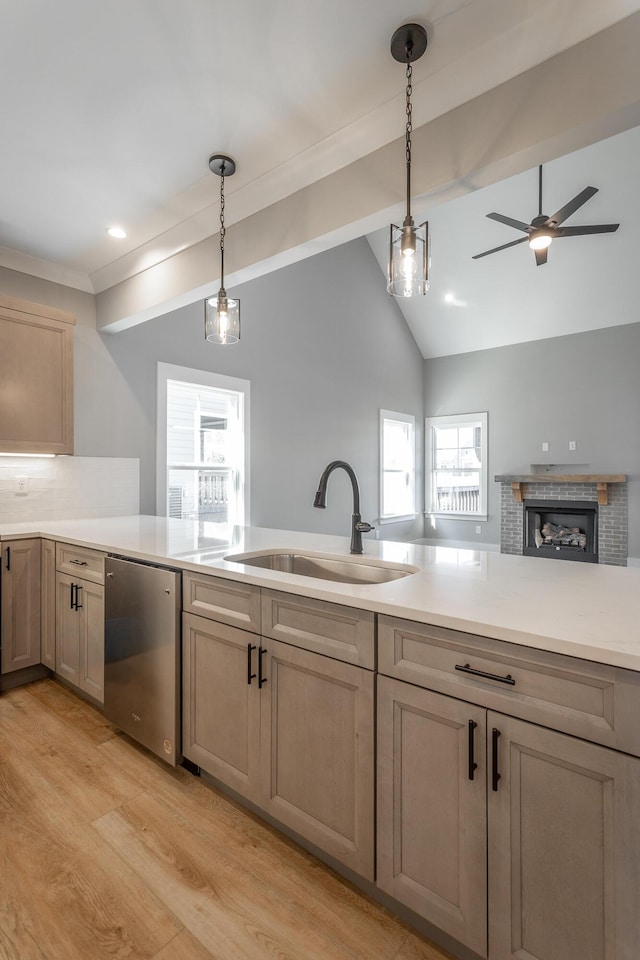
x=472 y=764
x=78 y=606
x=250 y=676
x=261 y=679
x=8 y=558
x=80 y=563
x=481 y=673
x=495 y=776
x=72 y=592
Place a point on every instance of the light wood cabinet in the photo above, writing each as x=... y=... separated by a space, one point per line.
x=564 y=847
x=80 y=620
x=221 y=709
x=48 y=604
x=289 y=729
x=432 y=837
x=20 y=617
x=36 y=372
x=317 y=751
x=560 y=814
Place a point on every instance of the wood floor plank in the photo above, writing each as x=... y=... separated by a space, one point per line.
x=224 y=907
x=106 y=853
x=263 y=852
x=80 y=715
x=68 y=763
x=74 y=900
x=185 y=947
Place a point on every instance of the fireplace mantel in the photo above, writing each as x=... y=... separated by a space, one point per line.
x=602 y=480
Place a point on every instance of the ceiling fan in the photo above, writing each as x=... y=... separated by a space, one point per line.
x=543 y=229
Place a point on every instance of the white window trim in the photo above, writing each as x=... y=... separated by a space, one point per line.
x=402 y=418
x=169 y=371
x=467 y=418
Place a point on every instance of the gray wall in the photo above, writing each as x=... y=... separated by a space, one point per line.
x=584 y=387
x=324 y=347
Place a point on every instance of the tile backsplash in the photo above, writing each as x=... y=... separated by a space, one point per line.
x=61 y=488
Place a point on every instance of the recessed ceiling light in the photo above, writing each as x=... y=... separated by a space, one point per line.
x=117 y=232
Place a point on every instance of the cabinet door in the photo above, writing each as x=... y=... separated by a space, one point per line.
x=36 y=372
x=221 y=708
x=48 y=600
x=20 y=604
x=564 y=850
x=67 y=630
x=91 y=635
x=317 y=751
x=432 y=845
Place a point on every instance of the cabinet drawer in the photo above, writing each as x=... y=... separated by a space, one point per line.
x=80 y=562
x=328 y=628
x=226 y=601
x=589 y=700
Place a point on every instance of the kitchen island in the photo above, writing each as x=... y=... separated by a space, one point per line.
x=582 y=610
x=464 y=739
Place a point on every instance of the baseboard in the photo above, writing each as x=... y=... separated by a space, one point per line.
x=633 y=561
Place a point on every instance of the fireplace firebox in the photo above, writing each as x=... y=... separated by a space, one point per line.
x=561 y=529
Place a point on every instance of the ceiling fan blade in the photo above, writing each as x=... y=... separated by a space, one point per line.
x=509 y=222
x=583 y=231
x=565 y=212
x=503 y=247
x=541 y=256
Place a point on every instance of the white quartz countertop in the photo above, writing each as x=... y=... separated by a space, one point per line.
x=591 y=611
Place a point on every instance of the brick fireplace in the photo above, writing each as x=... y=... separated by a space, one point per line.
x=607 y=492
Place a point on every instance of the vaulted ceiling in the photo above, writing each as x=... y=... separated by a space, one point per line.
x=112 y=110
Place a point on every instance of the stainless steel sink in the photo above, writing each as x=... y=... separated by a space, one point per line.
x=337 y=569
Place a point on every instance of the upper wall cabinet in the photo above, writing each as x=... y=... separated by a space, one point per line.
x=36 y=378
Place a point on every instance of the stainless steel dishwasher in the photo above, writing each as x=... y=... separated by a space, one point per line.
x=142 y=654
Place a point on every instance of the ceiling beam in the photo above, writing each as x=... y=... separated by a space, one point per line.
x=576 y=98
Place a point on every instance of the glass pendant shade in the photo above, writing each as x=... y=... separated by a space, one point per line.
x=222 y=319
x=408 y=273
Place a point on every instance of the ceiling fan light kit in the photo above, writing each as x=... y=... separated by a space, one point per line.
x=543 y=229
x=408 y=268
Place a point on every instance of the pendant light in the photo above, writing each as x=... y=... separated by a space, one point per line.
x=222 y=313
x=408 y=273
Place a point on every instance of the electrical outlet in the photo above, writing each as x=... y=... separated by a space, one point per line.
x=545 y=447
x=478 y=529
x=572 y=444
x=22 y=486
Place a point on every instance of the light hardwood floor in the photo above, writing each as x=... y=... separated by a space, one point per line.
x=105 y=852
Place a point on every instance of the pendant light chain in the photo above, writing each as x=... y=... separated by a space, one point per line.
x=222 y=229
x=409 y=128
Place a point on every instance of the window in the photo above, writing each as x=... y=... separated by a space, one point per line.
x=397 y=465
x=456 y=468
x=202 y=445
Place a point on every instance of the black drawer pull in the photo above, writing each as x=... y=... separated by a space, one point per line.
x=472 y=764
x=81 y=563
x=78 y=606
x=73 y=586
x=481 y=673
x=261 y=679
x=250 y=676
x=495 y=776
x=8 y=558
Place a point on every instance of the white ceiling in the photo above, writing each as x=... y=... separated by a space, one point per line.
x=111 y=110
x=588 y=282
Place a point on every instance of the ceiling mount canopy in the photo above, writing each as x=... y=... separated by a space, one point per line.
x=408 y=270
x=543 y=229
x=222 y=313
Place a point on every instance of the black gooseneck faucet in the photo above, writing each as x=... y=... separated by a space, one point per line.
x=358 y=525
